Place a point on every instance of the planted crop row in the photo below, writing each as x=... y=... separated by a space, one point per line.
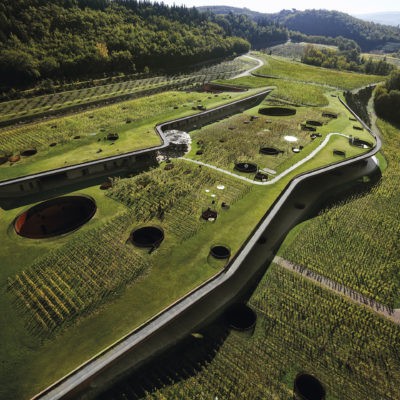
x=40 y=104
x=176 y=196
x=300 y=327
x=76 y=278
x=357 y=243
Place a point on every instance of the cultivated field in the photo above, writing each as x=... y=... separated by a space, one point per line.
x=367 y=261
x=71 y=296
x=300 y=327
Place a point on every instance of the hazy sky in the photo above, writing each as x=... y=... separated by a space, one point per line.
x=349 y=6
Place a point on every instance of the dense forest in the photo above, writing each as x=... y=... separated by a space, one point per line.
x=368 y=35
x=387 y=98
x=75 y=39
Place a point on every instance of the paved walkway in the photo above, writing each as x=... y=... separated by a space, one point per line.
x=356 y=297
x=278 y=177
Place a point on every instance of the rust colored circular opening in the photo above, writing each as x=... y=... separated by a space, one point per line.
x=246 y=167
x=147 y=236
x=53 y=144
x=269 y=151
x=313 y=123
x=55 y=217
x=28 y=152
x=14 y=158
x=220 y=252
x=209 y=214
x=112 y=136
x=277 y=111
x=241 y=317
x=307 y=387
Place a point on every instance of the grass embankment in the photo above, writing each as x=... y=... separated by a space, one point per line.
x=133 y=121
x=292 y=92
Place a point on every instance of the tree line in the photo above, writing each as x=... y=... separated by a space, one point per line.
x=387 y=98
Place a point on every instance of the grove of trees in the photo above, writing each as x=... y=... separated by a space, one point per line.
x=346 y=58
x=387 y=98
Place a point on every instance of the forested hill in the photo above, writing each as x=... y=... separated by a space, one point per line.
x=368 y=35
x=75 y=39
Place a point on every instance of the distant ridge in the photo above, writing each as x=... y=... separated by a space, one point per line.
x=386 y=18
x=368 y=35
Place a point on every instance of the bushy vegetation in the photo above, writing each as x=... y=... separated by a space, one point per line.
x=84 y=38
x=301 y=327
x=387 y=98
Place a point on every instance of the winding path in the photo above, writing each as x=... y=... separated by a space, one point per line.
x=351 y=294
x=249 y=71
x=278 y=177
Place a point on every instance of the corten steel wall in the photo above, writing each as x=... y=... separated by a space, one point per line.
x=33 y=183
x=207 y=301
